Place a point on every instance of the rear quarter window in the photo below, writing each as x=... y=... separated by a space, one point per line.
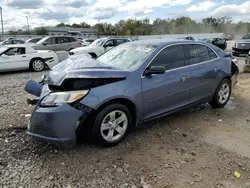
x=212 y=55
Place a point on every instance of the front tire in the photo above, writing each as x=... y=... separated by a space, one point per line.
x=37 y=65
x=222 y=94
x=111 y=125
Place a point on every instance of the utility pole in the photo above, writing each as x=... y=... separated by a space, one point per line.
x=1 y=9
x=28 y=25
x=98 y=28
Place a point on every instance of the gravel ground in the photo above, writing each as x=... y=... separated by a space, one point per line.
x=201 y=147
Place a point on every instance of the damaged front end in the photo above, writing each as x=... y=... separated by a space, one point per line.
x=59 y=112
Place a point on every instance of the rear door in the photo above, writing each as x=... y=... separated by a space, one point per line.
x=169 y=91
x=73 y=43
x=204 y=70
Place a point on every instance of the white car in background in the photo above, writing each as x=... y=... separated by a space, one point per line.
x=87 y=42
x=22 y=57
x=99 y=46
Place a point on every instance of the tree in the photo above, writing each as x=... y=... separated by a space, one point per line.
x=40 y=31
x=180 y=25
x=63 y=25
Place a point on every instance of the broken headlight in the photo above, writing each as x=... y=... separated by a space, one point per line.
x=58 y=98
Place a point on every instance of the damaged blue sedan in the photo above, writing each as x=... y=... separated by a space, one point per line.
x=101 y=99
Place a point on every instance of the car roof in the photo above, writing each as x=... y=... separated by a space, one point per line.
x=16 y=46
x=165 y=41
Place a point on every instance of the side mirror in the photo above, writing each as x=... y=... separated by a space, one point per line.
x=155 y=70
x=44 y=43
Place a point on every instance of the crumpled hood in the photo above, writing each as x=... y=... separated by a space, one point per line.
x=82 y=66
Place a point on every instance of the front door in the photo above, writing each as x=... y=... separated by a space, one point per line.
x=204 y=71
x=169 y=91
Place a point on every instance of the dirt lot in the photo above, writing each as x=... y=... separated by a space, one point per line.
x=199 y=148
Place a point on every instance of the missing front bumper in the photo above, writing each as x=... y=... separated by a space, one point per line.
x=55 y=124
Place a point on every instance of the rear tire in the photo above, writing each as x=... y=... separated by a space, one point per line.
x=37 y=65
x=111 y=125
x=222 y=94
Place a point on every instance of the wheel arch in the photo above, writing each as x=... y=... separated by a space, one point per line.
x=124 y=101
x=34 y=58
x=84 y=130
x=227 y=77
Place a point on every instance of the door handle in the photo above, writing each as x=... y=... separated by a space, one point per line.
x=24 y=56
x=184 y=78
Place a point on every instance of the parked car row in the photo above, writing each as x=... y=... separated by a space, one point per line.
x=36 y=56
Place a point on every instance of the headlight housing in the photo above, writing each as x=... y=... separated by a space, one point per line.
x=58 y=98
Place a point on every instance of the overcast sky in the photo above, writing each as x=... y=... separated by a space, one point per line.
x=51 y=12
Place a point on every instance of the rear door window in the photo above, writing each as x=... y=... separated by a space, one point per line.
x=60 y=40
x=51 y=41
x=71 y=39
x=120 y=41
x=212 y=55
x=196 y=53
x=171 y=57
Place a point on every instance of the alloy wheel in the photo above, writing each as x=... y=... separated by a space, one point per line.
x=114 y=126
x=224 y=93
x=38 y=65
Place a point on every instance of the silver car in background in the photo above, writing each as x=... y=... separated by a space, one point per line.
x=33 y=40
x=57 y=43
